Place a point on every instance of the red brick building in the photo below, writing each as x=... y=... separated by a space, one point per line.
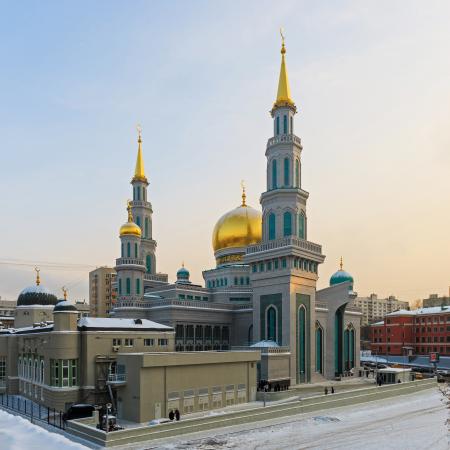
x=421 y=331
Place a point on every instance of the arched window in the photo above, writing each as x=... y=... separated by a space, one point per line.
x=128 y=250
x=352 y=348
x=272 y=231
x=301 y=225
x=120 y=286
x=274 y=174
x=278 y=125
x=346 y=349
x=36 y=371
x=286 y=171
x=138 y=286
x=302 y=343
x=148 y=263
x=285 y=122
x=138 y=221
x=297 y=173
x=135 y=250
x=319 y=349
x=292 y=125
x=42 y=372
x=128 y=281
x=271 y=324
x=121 y=251
x=287 y=224
x=30 y=369
x=146 y=227
x=138 y=192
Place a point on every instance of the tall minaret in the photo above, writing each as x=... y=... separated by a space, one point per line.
x=284 y=266
x=142 y=211
x=130 y=267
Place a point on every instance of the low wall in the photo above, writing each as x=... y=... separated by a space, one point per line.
x=186 y=425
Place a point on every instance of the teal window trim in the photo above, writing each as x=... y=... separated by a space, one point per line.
x=301 y=225
x=272 y=226
x=287 y=224
x=274 y=174
x=271 y=323
x=128 y=250
x=302 y=342
x=135 y=250
x=146 y=227
x=128 y=286
x=319 y=349
x=277 y=121
x=138 y=286
x=148 y=263
x=297 y=173
x=286 y=171
x=285 y=123
x=292 y=125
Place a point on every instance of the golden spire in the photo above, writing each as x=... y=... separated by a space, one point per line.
x=284 y=91
x=64 y=292
x=341 y=265
x=243 y=193
x=38 y=279
x=139 y=172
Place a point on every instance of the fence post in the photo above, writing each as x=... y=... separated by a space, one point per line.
x=39 y=411
x=48 y=415
x=60 y=421
x=7 y=400
x=31 y=417
x=25 y=407
x=54 y=417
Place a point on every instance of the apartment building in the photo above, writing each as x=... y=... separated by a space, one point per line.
x=374 y=308
x=102 y=294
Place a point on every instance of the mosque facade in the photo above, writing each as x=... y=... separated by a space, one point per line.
x=262 y=292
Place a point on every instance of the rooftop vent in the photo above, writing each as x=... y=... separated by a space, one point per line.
x=138 y=321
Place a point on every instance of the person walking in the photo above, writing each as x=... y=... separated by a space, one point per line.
x=177 y=414
x=171 y=415
x=332 y=389
x=326 y=391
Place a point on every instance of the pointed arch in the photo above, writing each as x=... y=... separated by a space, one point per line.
x=272 y=323
x=319 y=347
x=287 y=170
x=274 y=174
x=272 y=226
x=287 y=223
x=302 y=344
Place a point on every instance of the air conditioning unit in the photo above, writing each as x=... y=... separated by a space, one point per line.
x=115 y=348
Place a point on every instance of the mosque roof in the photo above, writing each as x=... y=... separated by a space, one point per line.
x=98 y=323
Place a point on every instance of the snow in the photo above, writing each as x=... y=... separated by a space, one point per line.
x=17 y=433
x=416 y=312
x=100 y=322
x=265 y=344
x=410 y=422
x=35 y=290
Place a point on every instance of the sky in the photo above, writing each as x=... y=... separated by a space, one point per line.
x=371 y=80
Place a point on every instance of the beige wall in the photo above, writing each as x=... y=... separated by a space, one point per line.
x=101 y=297
x=192 y=381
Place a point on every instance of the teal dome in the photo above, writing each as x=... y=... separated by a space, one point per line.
x=341 y=276
x=183 y=275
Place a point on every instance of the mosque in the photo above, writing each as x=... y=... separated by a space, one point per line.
x=262 y=292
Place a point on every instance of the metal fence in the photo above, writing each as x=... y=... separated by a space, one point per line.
x=32 y=411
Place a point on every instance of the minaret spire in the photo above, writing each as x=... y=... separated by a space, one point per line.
x=244 y=196
x=38 y=279
x=284 y=90
x=139 y=172
x=341 y=264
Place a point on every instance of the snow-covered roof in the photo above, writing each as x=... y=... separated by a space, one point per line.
x=113 y=323
x=394 y=370
x=265 y=344
x=35 y=290
x=378 y=323
x=421 y=311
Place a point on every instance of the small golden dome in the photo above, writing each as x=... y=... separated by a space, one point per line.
x=239 y=227
x=130 y=228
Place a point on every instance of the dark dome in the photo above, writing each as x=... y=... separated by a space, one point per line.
x=36 y=295
x=64 y=305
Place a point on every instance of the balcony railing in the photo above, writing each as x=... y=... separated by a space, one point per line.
x=134 y=261
x=284 y=242
x=117 y=378
x=284 y=139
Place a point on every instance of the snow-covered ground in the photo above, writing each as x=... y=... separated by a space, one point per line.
x=17 y=433
x=410 y=422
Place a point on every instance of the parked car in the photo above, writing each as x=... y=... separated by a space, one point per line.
x=79 y=411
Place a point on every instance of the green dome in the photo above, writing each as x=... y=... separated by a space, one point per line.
x=341 y=276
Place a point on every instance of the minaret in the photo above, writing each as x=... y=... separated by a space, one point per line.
x=142 y=211
x=130 y=266
x=284 y=267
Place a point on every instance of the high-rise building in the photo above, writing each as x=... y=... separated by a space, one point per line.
x=435 y=300
x=102 y=293
x=7 y=308
x=374 y=308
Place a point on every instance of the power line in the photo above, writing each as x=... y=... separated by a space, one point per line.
x=48 y=265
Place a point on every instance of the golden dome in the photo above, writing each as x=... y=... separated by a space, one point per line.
x=130 y=228
x=239 y=227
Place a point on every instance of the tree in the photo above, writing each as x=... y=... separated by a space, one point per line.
x=416 y=304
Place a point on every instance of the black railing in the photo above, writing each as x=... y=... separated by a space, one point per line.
x=32 y=411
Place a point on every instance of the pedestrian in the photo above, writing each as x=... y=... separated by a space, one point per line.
x=177 y=414
x=332 y=389
x=171 y=415
x=326 y=391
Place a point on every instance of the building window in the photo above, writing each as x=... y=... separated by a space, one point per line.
x=163 y=342
x=122 y=254
x=128 y=250
x=277 y=125
x=135 y=250
x=3 y=371
x=274 y=174
x=146 y=227
x=319 y=349
x=286 y=172
x=148 y=263
x=63 y=372
x=117 y=342
x=149 y=342
x=271 y=324
x=272 y=226
x=120 y=286
x=128 y=281
x=301 y=225
x=129 y=342
x=292 y=125
x=287 y=224
x=285 y=122
x=138 y=286
x=138 y=221
x=302 y=342
x=297 y=173
x=283 y=263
